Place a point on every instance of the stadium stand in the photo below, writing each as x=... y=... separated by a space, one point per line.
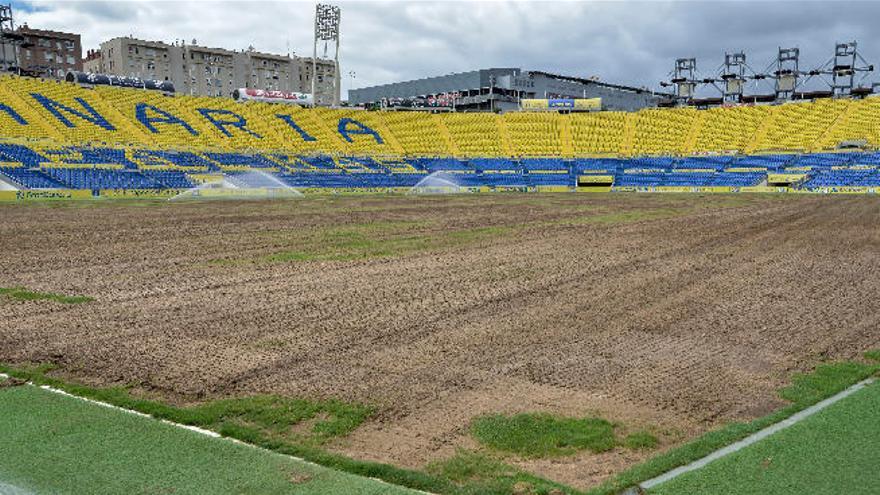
x=57 y=135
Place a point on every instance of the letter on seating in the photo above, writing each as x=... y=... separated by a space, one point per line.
x=12 y=113
x=55 y=108
x=239 y=122
x=289 y=120
x=164 y=118
x=345 y=130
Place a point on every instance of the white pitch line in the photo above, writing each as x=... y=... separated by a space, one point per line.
x=202 y=431
x=7 y=489
x=754 y=437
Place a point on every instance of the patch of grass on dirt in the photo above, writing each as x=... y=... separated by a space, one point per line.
x=277 y=415
x=806 y=389
x=22 y=294
x=467 y=465
x=640 y=440
x=873 y=355
x=831 y=452
x=348 y=244
x=476 y=473
x=543 y=435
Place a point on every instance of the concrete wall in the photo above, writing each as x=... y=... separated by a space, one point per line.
x=461 y=81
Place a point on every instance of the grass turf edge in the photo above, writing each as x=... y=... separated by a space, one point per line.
x=806 y=390
x=407 y=478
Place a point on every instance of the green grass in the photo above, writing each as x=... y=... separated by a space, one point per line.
x=806 y=390
x=640 y=440
x=62 y=445
x=261 y=421
x=477 y=473
x=538 y=435
x=267 y=415
x=22 y=294
x=276 y=416
x=469 y=466
x=541 y=435
x=873 y=355
x=834 y=451
x=265 y=421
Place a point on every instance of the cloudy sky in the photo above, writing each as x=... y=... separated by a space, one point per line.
x=631 y=43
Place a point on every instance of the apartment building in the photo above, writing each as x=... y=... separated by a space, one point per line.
x=49 y=53
x=206 y=71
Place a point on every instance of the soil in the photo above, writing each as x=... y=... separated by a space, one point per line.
x=675 y=322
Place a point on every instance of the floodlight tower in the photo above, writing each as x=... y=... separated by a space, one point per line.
x=734 y=77
x=684 y=78
x=787 y=72
x=847 y=62
x=327 y=19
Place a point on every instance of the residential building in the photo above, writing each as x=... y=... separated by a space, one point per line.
x=205 y=71
x=49 y=53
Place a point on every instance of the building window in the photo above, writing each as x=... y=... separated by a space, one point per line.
x=70 y=59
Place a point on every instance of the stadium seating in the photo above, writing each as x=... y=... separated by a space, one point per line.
x=663 y=131
x=533 y=135
x=797 y=126
x=62 y=135
x=729 y=129
x=601 y=133
x=475 y=134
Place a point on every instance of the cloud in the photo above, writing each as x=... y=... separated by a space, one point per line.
x=631 y=43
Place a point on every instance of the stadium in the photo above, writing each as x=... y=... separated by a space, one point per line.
x=499 y=281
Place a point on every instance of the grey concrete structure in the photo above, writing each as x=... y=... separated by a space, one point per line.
x=326 y=84
x=502 y=88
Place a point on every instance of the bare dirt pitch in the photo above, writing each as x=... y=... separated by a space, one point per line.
x=674 y=313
